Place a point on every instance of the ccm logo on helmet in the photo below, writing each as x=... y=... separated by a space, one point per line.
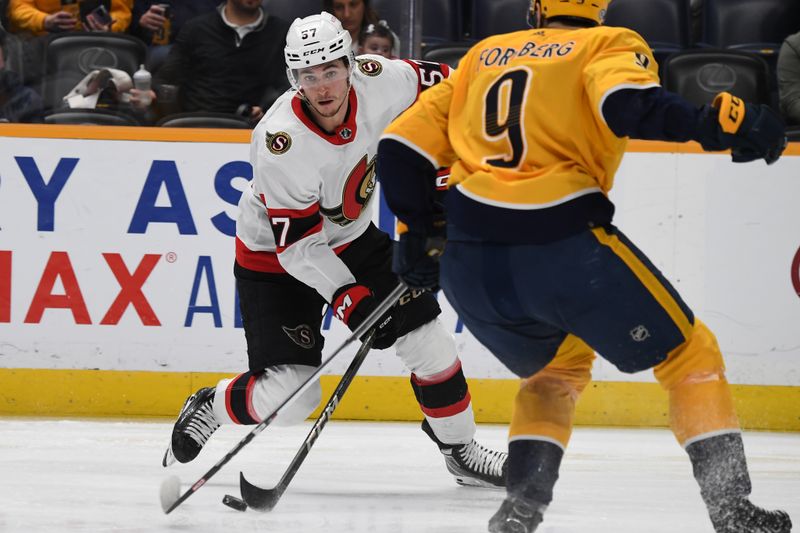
x=279 y=143
x=315 y=51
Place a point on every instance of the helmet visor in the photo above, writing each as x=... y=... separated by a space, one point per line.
x=327 y=73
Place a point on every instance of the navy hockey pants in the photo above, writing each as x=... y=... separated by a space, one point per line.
x=521 y=300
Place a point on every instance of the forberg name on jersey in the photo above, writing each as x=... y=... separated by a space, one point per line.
x=499 y=57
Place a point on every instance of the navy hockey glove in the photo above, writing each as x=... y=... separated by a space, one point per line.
x=751 y=131
x=416 y=259
x=353 y=303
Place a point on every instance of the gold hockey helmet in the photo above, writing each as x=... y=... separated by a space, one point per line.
x=587 y=9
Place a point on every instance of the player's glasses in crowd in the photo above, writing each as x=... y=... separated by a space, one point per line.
x=313 y=78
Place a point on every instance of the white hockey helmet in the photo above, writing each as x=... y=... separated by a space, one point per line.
x=315 y=40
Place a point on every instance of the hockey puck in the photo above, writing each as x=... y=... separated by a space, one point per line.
x=234 y=503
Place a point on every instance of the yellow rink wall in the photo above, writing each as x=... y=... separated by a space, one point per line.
x=105 y=393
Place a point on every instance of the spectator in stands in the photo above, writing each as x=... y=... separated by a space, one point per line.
x=17 y=102
x=41 y=17
x=158 y=22
x=789 y=78
x=355 y=16
x=227 y=61
x=377 y=39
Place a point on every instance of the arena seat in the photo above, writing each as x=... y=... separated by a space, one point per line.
x=698 y=75
x=95 y=117
x=664 y=24
x=69 y=57
x=442 y=21
x=204 y=119
x=449 y=53
x=753 y=25
x=490 y=17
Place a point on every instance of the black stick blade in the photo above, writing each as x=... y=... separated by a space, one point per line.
x=257 y=498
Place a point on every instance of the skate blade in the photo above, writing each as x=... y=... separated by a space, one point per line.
x=465 y=481
x=169 y=458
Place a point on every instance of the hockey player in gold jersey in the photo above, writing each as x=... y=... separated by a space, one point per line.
x=535 y=124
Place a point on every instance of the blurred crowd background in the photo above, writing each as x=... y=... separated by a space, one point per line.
x=219 y=63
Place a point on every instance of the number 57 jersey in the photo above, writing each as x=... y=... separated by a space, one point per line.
x=312 y=190
x=522 y=125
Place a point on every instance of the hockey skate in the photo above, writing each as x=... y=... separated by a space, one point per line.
x=744 y=517
x=472 y=464
x=195 y=425
x=720 y=468
x=517 y=515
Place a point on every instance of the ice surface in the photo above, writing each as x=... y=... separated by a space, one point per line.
x=67 y=476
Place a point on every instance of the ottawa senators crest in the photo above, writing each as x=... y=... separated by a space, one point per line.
x=278 y=143
x=302 y=335
x=369 y=67
x=358 y=189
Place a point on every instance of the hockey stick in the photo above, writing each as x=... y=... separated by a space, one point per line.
x=170 y=487
x=266 y=499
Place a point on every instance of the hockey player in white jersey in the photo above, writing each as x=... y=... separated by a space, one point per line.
x=304 y=238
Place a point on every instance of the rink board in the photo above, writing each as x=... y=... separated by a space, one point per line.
x=117 y=296
x=90 y=393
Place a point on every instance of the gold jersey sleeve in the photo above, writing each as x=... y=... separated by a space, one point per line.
x=521 y=119
x=423 y=126
x=625 y=61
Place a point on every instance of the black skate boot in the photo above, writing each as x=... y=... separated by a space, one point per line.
x=744 y=517
x=196 y=423
x=720 y=469
x=517 y=515
x=532 y=473
x=472 y=464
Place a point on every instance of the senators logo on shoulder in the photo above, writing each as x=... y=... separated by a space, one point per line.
x=369 y=67
x=279 y=143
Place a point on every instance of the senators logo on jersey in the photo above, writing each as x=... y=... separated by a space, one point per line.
x=302 y=335
x=279 y=143
x=358 y=189
x=369 y=67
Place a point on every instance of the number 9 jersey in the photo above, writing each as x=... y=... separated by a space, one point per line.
x=521 y=123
